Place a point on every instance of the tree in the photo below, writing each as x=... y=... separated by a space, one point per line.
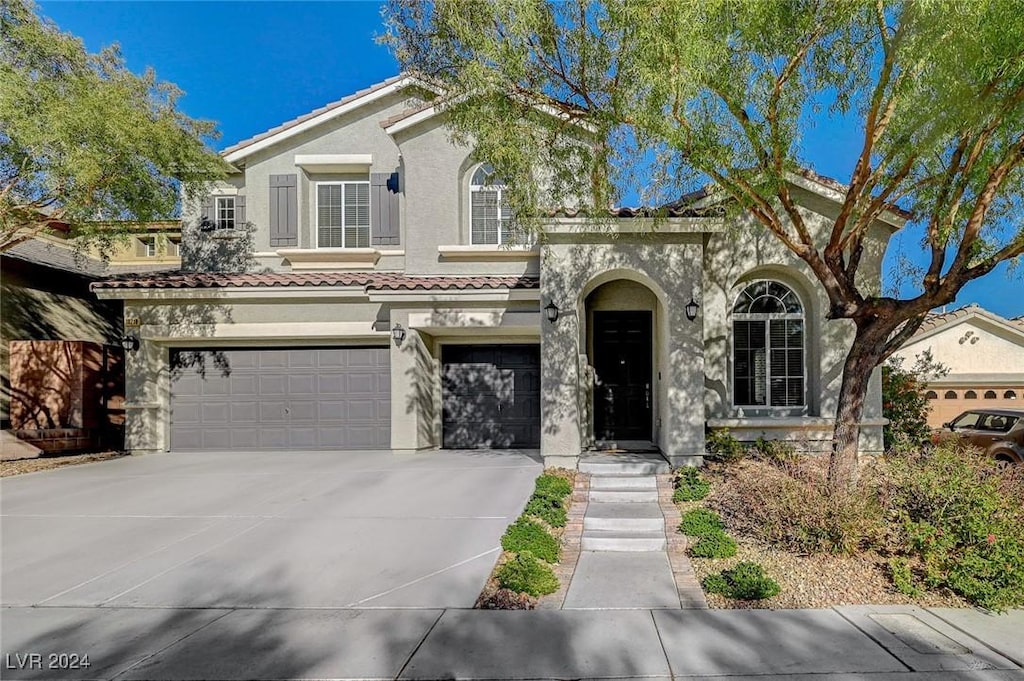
x=85 y=142
x=904 y=398
x=719 y=91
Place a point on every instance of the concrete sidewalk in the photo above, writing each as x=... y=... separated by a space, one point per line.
x=850 y=643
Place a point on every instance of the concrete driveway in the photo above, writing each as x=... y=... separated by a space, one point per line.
x=261 y=530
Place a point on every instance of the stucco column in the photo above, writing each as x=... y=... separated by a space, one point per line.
x=560 y=435
x=415 y=403
x=147 y=398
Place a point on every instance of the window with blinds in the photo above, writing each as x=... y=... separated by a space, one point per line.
x=489 y=212
x=343 y=214
x=768 y=347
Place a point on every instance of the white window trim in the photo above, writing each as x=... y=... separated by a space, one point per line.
x=234 y=210
x=316 y=213
x=761 y=316
x=149 y=245
x=500 y=189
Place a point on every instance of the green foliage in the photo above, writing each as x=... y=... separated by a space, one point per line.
x=553 y=485
x=528 y=535
x=960 y=516
x=550 y=510
x=524 y=573
x=714 y=545
x=903 y=399
x=722 y=446
x=85 y=140
x=775 y=450
x=689 y=484
x=903 y=577
x=747 y=581
x=700 y=522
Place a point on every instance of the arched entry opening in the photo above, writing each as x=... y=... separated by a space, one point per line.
x=621 y=336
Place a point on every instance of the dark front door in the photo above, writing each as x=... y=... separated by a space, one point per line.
x=622 y=362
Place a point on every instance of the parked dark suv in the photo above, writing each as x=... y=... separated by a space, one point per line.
x=1000 y=432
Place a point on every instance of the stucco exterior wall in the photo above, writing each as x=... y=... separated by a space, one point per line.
x=669 y=267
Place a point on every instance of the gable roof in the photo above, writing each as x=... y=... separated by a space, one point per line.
x=240 y=150
x=937 y=322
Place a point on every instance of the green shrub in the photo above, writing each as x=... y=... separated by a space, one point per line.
x=714 y=545
x=903 y=399
x=690 y=485
x=700 y=522
x=550 y=510
x=530 y=536
x=553 y=486
x=747 y=581
x=525 y=574
x=960 y=516
x=903 y=577
x=720 y=445
x=778 y=451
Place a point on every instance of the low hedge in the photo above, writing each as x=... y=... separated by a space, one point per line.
x=747 y=581
x=700 y=522
x=530 y=536
x=524 y=573
x=714 y=545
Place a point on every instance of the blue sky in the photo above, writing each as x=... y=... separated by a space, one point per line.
x=251 y=65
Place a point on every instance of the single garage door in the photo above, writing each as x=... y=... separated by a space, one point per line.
x=299 y=398
x=491 y=396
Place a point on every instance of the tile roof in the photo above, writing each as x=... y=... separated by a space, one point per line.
x=937 y=319
x=370 y=281
x=312 y=114
x=402 y=115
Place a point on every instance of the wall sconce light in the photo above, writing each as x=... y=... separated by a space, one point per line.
x=398 y=334
x=551 y=311
x=130 y=343
x=691 y=309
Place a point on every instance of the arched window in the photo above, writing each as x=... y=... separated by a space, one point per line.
x=990 y=394
x=489 y=212
x=1009 y=395
x=931 y=395
x=970 y=395
x=950 y=395
x=768 y=347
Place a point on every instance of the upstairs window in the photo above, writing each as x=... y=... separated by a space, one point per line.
x=343 y=214
x=768 y=347
x=490 y=216
x=174 y=246
x=224 y=212
x=146 y=247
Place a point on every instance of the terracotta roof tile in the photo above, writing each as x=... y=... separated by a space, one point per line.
x=937 y=319
x=312 y=114
x=391 y=120
x=370 y=281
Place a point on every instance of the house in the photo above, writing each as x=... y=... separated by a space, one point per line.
x=357 y=284
x=984 y=354
x=56 y=338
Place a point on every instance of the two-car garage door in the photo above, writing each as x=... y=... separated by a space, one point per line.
x=272 y=399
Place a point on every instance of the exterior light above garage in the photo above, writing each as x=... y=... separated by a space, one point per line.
x=398 y=334
x=691 y=309
x=130 y=343
x=551 y=311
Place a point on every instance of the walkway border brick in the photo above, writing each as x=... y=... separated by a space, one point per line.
x=691 y=595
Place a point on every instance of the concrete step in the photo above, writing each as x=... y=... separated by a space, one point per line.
x=618 y=517
x=605 y=540
x=624 y=467
x=626 y=496
x=620 y=482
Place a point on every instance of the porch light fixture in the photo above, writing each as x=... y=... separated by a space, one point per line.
x=398 y=334
x=691 y=309
x=551 y=311
x=130 y=343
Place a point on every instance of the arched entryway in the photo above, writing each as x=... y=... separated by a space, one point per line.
x=621 y=340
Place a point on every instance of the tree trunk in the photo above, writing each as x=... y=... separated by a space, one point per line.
x=865 y=354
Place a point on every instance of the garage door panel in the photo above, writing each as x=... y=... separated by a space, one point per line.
x=491 y=396
x=326 y=398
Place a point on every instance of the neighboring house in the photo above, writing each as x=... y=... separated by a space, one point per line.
x=357 y=284
x=60 y=332
x=985 y=357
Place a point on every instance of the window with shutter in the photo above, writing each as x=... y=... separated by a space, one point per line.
x=343 y=214
x=768 y=347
